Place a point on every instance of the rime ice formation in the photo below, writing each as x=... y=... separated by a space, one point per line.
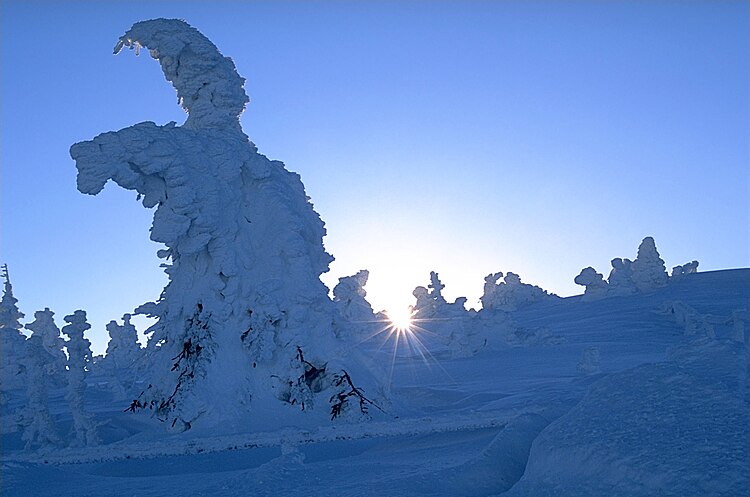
x=621 y=278
x=649 y=272
x=79 y=357
x=12 y=340
x=511 y=294
x=685 y=269
x=353 y=311
x=448 y=321
x=596 y=287
x=123 y=357
x=44 y=328
x=41 y=367
x=243 y=242
x=123 y=349
x=645 y=274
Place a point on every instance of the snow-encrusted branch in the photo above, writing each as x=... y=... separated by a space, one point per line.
x=208 y=86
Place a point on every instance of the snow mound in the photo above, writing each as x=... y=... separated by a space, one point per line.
x=674 y=428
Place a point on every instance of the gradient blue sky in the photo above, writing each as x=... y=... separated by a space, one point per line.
x=461 y=137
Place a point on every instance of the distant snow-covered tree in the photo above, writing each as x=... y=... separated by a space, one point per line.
x=353 y=311
x=122 y=357
x=11 y=339
x=596 y=287
x=685 y=269
x=44 y=328
x=123 y=349
x=79 y=356
x=620 y=278
x=511 y=294
x=41 y=366
x=449 y=321
x=648 y=269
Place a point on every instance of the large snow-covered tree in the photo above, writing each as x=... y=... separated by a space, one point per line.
x=243 y=243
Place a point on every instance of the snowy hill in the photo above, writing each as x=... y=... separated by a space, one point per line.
x=634 y=395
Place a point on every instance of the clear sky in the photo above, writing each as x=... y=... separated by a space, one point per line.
x=460 y=137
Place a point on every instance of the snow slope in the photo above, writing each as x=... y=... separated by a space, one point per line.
x=666 y=414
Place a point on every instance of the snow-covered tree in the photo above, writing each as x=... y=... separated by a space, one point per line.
x=449 y=321
x=11 y=339
x=44 y=328
x=596 y=287
x=79 y=356
x=353 y=312
x=41 y=366
x=123 y=357
x=243 y=242
x=123 y=349
x=511 y=294
x=685 y=269
x=620 y=278
x=648 y=269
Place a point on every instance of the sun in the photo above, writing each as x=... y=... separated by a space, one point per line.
x=401 y=318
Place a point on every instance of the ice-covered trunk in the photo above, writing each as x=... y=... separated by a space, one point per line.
x=244 y=245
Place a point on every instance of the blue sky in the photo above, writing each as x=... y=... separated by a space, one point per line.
x=460 y=137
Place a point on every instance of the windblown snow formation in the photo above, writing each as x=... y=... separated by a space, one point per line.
x=243 y=243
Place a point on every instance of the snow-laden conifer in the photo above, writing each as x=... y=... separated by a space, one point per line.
x=41 y=366
x=511 y=294
x=12 y=340
x=685 y=269
x=649 y=271
x=79 y=357
x=354 y=314
x=596 y=287
x=244 y=246
x=123 y=357
x=45 y=328
x=620 y=280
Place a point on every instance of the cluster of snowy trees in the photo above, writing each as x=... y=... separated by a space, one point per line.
x=33 y=364
x=245 y=322
x=645 y=274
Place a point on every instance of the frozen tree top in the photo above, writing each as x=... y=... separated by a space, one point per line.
x=208 y=86
x=9 y=313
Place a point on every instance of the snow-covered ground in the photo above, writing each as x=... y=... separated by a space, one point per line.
x=634 y=395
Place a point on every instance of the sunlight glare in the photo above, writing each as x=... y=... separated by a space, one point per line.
x=401 y=318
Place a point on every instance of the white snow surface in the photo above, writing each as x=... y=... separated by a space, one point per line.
x=664 y=412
